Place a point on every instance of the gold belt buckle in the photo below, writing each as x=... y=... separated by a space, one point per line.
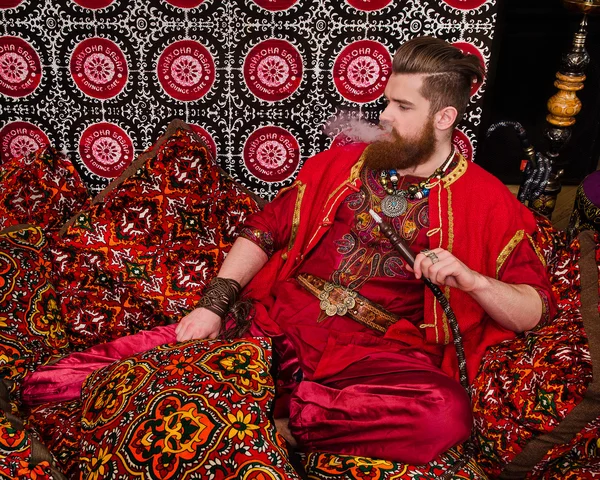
x=339 y=306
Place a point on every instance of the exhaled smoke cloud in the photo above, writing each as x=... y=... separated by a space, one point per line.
x=355 y=128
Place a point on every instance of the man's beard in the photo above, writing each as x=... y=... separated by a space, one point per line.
x=401 y=153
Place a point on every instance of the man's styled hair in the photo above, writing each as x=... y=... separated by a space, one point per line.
x=449 y=73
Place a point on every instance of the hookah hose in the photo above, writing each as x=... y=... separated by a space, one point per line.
x=409 y=257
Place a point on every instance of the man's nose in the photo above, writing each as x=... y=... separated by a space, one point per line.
x=384 y=116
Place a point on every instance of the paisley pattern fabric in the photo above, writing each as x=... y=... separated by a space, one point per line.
x=527 y=386
x=31 y=326
x=58 y=427
x=17 y=458
x=193 y=410
x=327 y=466
x=42 y=189
x=141 y=255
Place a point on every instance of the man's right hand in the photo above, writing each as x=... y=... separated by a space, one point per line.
x=198 y=324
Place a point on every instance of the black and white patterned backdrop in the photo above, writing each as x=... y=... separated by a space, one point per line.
x=258 y=79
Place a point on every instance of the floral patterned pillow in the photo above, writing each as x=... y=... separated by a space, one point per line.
x=42 y=189
x=194 y=410
x=31 y=327
x=141 y=255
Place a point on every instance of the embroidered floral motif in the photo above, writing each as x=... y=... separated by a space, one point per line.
x=366 y=252
x=263 y=239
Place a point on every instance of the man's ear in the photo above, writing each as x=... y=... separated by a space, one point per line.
x=444 y=119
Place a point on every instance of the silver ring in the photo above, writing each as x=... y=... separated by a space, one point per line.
x=431 y=256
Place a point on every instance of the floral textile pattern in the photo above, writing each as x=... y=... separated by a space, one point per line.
x=199 y=409
x=142 y=254
x=42 y=188
x=31 y=326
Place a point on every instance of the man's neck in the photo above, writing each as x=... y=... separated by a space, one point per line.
x=436 y=160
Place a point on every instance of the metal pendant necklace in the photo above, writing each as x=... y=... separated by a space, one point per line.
x=395 y=203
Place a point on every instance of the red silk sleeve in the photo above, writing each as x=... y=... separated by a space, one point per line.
x=271 y=228
x=523 y=266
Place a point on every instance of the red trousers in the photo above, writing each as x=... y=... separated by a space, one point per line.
x=393 y=406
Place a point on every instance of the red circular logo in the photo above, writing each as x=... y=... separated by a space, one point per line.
x=185 y=3
x=463 y=144
x=465 y=4
x=361 y=71
x=105 y=149
x=206 y=138
x=472 y=49
x=21 y=138
x=99 y=68
x=273 y=70
x=369 y=5
x=186 y=70
x=10 y=4
x=275 y=5
x=271 y=153
x=20 y=67
x=93 y=4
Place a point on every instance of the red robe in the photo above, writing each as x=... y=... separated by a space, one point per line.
x=472 y=214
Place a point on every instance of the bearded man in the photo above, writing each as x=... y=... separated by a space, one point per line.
x=366 y=364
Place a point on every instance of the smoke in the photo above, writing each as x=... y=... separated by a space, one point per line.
x=356 y=129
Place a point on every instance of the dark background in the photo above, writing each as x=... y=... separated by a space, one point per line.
x=531 y=38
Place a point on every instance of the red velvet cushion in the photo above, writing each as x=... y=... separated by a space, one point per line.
x=141 y=255
x=31 y=327
x=42 y=189
x=58 y=426
x=527 y=386
x=194 y=410
x=16 y=454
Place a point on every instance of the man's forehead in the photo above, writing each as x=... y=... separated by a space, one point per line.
x=405 y=87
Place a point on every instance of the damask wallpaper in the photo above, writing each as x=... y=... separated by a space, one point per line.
x=258 y=79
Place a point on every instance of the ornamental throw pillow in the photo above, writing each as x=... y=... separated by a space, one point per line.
x=42 y=189
x=31 y=327
x=141 y=255
x=194 y=410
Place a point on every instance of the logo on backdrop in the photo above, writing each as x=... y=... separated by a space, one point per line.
x=185 y=3
x=21 y=138
x=271 y=153
x=465 y=4
x=273 y=70
x=186 y=70
x=463 y=144
x=275 y=5
x=20 y=67
x=206 y=138
x=105 y=149
x=369 y=5
x=361 y=71
x=94 y=4
x=99 y=68
x=472 y=49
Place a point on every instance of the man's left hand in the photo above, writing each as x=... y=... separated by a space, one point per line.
x=443 y=268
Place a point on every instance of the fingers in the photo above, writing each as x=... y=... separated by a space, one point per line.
x=438 y=265
x=198 y=324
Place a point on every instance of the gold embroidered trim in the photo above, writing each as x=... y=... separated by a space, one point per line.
x=354 y=174
x=456 y=172
x=296 y=219
x=507 y=250
x=537 y=250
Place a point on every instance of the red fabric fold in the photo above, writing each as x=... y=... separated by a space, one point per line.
x=62 y=381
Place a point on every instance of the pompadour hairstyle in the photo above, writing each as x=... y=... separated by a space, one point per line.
x=449 y=73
